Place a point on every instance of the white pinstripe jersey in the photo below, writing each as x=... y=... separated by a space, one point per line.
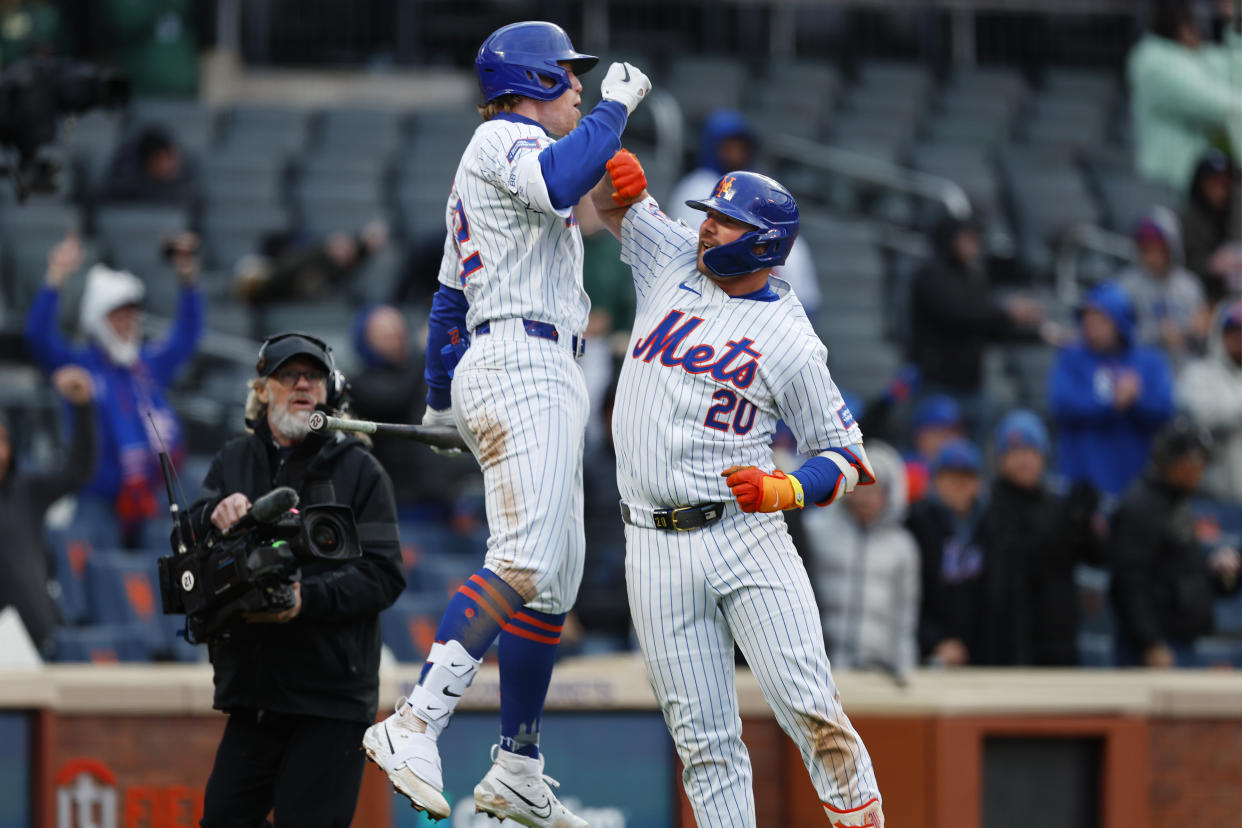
x=507 y=247
x=718 y=371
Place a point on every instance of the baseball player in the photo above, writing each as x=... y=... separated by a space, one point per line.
x=511 y=276
x=720 y=351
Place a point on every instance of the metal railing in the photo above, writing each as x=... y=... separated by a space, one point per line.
x=875 y=172
x=1086 y=238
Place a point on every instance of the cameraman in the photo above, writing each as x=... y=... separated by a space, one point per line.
x=300 y=685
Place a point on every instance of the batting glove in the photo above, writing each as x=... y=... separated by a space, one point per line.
x=758 y=491
x=625 y=84
x=628 y=179
x=870 y=815
x=441 y=417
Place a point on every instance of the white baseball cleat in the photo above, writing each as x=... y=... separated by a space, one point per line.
x=410 y=758
x=515 y=788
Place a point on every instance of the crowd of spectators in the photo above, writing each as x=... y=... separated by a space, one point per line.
x=970 y=549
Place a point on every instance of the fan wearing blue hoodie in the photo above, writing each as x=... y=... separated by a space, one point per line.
x=1107 y=395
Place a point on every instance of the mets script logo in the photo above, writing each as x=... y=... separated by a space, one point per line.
x=725 y=188
x=737 y=362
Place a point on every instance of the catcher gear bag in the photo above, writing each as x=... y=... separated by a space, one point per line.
x=764 y=204
x=513 y=58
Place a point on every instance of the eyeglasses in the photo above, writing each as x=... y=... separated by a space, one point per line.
x=288 y=377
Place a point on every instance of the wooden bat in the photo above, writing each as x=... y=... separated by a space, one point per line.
x=446 y=437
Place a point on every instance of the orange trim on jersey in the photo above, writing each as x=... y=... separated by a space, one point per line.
x=542 y=639
x=501 y=603
x=478 y=599
x=535 y=622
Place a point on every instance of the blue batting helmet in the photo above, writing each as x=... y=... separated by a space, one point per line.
x=513 y=58
x=764 y=204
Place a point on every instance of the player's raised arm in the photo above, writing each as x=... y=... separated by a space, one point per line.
x=624 y=185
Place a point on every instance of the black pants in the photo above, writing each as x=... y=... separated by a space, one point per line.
x=307 y=768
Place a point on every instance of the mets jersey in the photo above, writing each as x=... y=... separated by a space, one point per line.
x=719 y=370
x=511 y=252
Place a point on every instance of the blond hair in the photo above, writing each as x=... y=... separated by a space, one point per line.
x=503 y=103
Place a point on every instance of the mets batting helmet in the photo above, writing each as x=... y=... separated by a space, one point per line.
x=762 y=203
x=514 y=57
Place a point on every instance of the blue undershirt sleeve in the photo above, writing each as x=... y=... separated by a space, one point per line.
x=818 y=477
x=446 y=328
x=575 y=163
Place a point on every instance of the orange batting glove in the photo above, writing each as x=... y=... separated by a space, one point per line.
x=628 y=179
x=758 y=491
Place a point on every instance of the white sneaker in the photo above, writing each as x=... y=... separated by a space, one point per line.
x=515 y=788
x=410 y=758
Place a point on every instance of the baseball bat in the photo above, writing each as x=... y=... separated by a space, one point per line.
x=446 y=437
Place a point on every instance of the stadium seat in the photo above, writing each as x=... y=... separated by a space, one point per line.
x=353 y=132
x=267 y=131
x=409 y=626
x=70 y=555
x=122 y=588
x=100 y=644
x=191 y=123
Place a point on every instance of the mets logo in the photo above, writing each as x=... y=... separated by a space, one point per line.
x=725 y=188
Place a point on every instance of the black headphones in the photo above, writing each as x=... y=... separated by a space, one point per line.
x=276 y=349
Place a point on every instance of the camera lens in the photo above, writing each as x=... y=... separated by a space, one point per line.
x=326 y=537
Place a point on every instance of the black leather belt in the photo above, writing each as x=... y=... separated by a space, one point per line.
x=680 y=518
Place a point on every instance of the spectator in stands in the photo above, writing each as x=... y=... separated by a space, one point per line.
x=1023 y=608
x=1181 y=101
x=134 y=417
x=30 y=27
x=943 y=524
x=954 y=317
x=1210 y=391
x=387 y=388
x=1212 y=226
x=24 y=500
x=156 y=42
x=1168 y=299
x=1107 y=395
x=728 y=142
x=299 y=685
x=936 y=421
x=864 y=566
x=1162 y=587
x=150 y=168
x=293 y=266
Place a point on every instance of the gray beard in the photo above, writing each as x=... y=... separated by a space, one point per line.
x=292 y=425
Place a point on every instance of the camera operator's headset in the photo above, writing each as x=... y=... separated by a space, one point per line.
x=338 y=387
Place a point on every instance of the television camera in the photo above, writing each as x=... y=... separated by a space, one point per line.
x=34 y=93
x=251 y=566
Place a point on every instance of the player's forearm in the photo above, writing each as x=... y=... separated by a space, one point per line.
x=573 y=165
x=446 y=329
x=610 y=215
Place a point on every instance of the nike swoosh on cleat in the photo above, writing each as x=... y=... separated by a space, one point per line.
x=683 y=286
x=546 y=807
x=626 y=68
x=449 y=692
x=391 y=749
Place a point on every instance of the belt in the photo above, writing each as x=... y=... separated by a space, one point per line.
x=533 y=327
x=676 y=519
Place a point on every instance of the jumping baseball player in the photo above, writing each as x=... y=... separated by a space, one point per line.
x=511 y=278
x=720 y=351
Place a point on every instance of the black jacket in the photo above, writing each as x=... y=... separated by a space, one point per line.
x=24 y=500
x=1024 y=609
x=953 y=319
x=950 y=563
x=325 y=662
x=1161 y=588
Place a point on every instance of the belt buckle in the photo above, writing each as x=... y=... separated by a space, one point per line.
x=672 y=516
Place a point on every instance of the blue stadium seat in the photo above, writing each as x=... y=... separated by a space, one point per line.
x=409 y=625
x=122 y=588
x=70 y=554
x=101 y=644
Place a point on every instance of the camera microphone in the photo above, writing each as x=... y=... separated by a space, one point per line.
x=266 y=509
